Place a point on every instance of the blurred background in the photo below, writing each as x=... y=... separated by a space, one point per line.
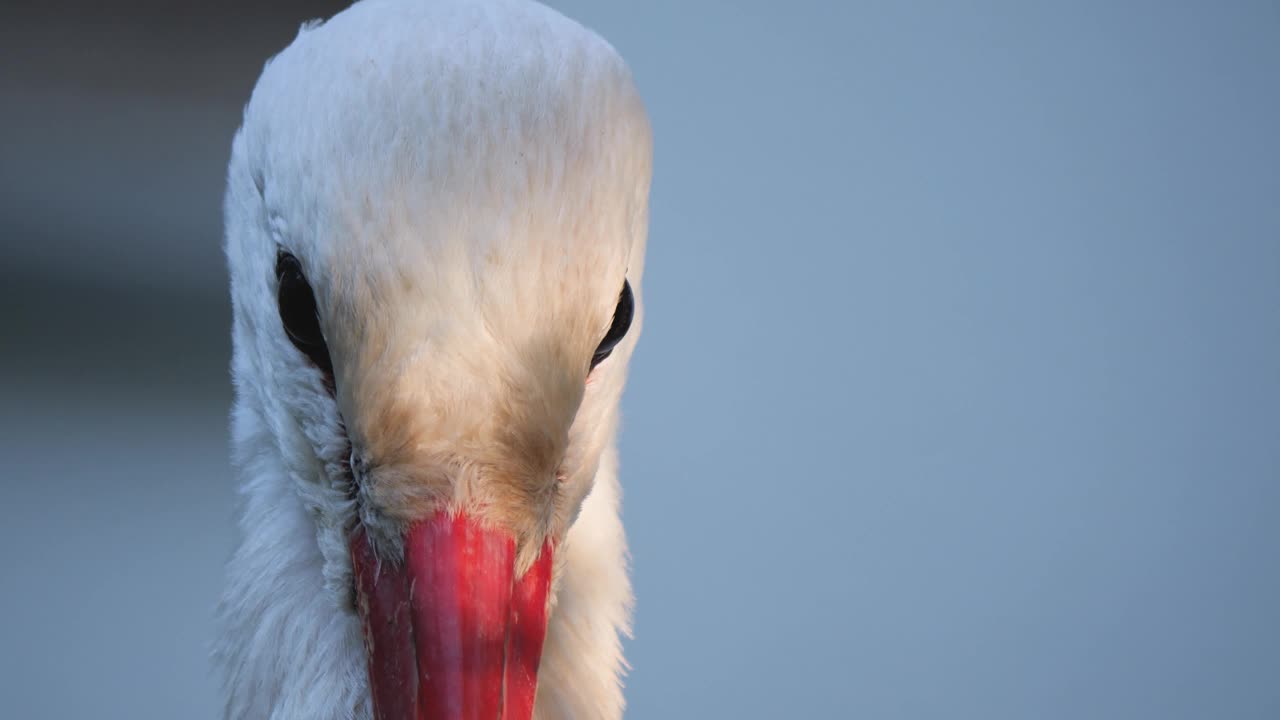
x=959 y=394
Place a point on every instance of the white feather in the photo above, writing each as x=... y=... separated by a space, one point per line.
x=466 y=184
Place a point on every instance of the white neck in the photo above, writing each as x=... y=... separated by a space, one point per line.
x=289 y=650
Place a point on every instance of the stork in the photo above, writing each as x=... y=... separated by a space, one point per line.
x=436 y=214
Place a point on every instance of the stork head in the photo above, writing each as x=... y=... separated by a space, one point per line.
x=436 y=220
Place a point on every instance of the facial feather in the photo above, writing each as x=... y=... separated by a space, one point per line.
x=465 y=185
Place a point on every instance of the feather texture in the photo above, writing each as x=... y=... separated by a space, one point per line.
x=465 y=184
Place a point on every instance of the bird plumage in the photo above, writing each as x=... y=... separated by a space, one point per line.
x=465 y=184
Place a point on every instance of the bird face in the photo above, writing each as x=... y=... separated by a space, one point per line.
x=436 y=253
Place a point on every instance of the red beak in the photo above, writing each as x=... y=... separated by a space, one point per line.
x=452 y=633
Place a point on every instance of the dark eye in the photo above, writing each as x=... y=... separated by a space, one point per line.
x=298 y=313
x=618 y=329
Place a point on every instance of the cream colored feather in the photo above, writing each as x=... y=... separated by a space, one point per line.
x=465 y=184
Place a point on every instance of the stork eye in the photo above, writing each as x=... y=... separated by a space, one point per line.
x=299 y=315
x=622 y=316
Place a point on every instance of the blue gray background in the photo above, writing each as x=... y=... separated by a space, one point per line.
x=959 y=395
